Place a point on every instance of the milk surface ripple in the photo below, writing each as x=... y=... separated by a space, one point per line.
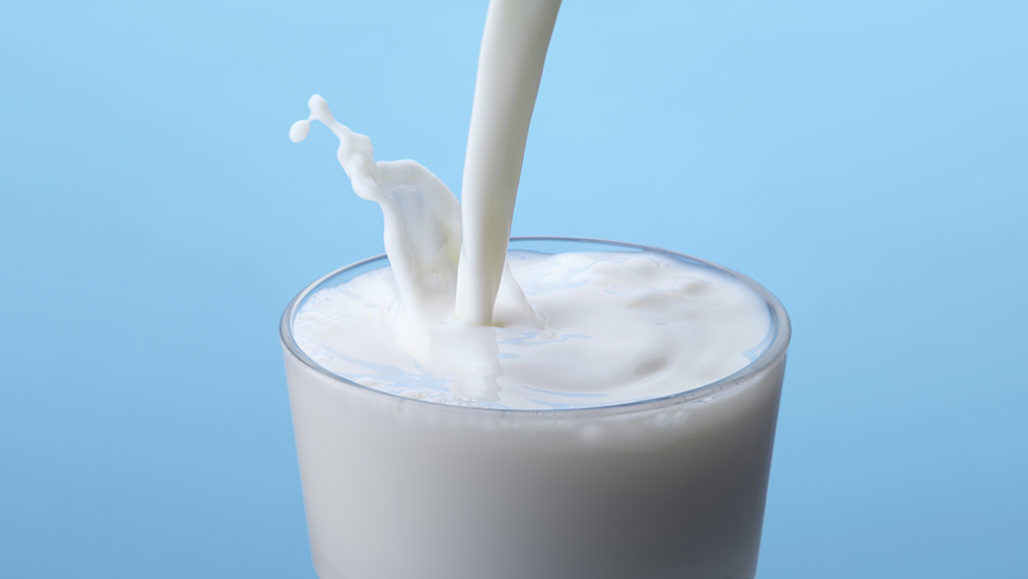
x=609 y=328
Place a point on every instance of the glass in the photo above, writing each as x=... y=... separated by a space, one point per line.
x=671 y=487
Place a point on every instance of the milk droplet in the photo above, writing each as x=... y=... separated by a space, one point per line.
x=299 y=130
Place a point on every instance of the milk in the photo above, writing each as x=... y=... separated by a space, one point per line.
x=517 y=34
x=422 y=220
x=669 y=487
x=554 y=409
x=615 y=327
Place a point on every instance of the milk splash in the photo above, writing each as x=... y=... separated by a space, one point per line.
x=437 y=276
x=421 y=216
x=422 y=237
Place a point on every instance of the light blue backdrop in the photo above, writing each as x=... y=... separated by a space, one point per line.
x=867 y=161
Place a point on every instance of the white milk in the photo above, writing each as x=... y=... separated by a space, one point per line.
x=610 y=416
x=616 y=327
x=517 y=34
x=672 y=488
x=423 y=227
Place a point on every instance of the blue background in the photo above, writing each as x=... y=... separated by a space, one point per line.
x=866 y=161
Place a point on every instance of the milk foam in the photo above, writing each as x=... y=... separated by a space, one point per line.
x=617 y=327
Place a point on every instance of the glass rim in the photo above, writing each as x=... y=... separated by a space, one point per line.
x=780 y=325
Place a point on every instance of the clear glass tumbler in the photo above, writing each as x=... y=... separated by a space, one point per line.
x=668 y=488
